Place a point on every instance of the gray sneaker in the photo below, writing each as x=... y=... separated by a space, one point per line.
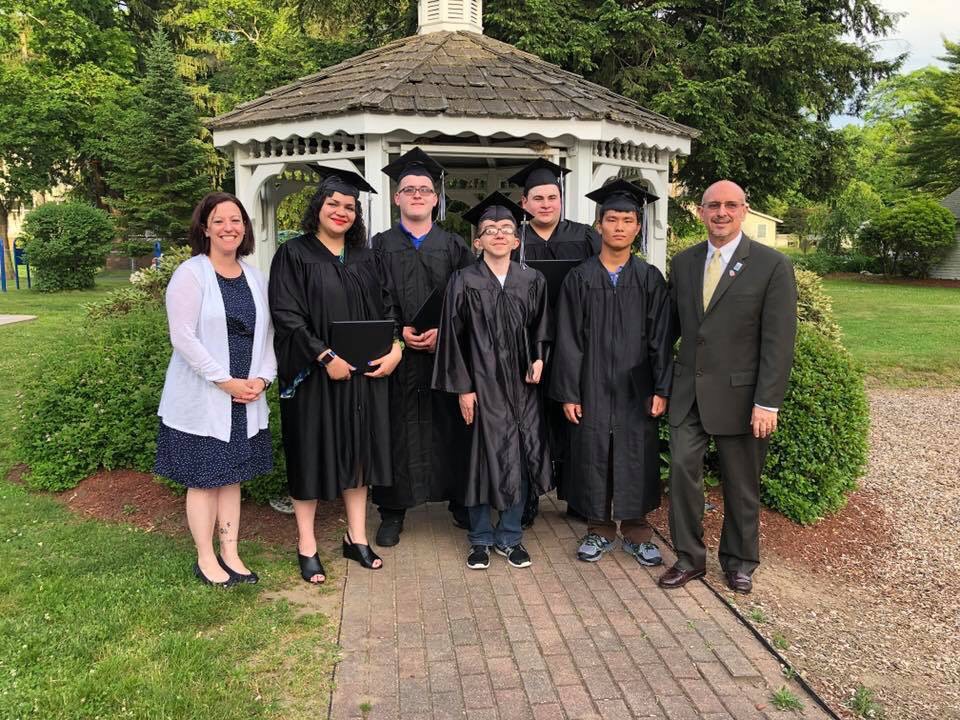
x=592 y=547
x=282 y=504
x=646 y=553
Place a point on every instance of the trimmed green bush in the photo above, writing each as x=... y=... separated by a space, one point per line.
x=911 y=237
x=823 y=263
x=820 y=448
x=814 y=306
x=67 y=244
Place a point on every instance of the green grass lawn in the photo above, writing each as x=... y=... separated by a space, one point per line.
x=905 y=335
x=107 y=621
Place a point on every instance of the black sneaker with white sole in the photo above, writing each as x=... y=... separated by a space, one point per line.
x=517 y=555
x=479 y=557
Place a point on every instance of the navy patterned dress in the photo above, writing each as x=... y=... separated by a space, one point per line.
x=197 y=461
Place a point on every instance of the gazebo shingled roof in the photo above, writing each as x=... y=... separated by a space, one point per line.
x=447 y=73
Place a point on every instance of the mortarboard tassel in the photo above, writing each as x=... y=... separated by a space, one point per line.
x=643 y=230
x=442 y=210
x=523 y=243
x=369 y=220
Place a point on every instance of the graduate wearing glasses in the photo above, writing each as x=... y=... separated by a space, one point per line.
x=429 y=444
x=493 y=338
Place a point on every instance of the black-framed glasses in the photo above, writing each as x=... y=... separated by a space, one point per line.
x=411 y=191
x=492 y=231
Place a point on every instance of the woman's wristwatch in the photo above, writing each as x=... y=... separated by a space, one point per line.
x=266 y=383
x=327 y=358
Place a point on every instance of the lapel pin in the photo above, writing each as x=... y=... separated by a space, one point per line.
x=733 y=273
x=736 y=268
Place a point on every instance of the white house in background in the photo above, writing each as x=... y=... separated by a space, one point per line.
x=481 y=107
x=763 y=228
x=949 y=268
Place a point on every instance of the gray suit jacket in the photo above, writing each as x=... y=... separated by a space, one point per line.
x=739 y=351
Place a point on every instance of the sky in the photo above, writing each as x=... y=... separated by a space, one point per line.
x=920 y=33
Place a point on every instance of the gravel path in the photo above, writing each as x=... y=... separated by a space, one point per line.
x=887 y=617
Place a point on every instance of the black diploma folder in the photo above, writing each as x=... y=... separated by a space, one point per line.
x=360 y=341
x=641 y=377
x=554 y=271
x=428 y=316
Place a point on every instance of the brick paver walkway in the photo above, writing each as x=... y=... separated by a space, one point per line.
x=428 y=638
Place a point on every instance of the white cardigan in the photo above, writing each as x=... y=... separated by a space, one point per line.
x=191 y=402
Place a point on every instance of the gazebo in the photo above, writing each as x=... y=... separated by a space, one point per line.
x=481 y=107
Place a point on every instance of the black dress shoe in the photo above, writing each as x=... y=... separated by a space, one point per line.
x=361 y=553
x=389 y=531
x=739 y=582
x=229 y=582
x=677 y=578
x=249 y=578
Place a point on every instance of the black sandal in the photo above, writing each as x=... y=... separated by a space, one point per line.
x=361 y=553
x=310 y=566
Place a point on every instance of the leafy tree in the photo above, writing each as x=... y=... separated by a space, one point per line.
x=846 y=215
x=934 y=149
x=159 y=163
x=910 y=237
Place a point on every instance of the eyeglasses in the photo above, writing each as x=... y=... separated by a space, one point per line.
x=729 y=206
x=411 y=191
x=492 y=231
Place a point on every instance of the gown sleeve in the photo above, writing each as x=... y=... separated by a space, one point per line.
x=659 y=334
x=297 y=345
x=452 y=370
x=461 y=255
x=593 y=241
x=568 y=348
x=538 y=327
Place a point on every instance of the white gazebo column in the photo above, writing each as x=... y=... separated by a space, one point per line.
x=579 y=183
x=375 y=156
x=249 y=181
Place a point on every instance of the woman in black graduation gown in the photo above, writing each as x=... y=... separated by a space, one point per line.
x=335 y=423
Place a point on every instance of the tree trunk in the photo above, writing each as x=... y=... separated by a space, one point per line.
x=7 y=242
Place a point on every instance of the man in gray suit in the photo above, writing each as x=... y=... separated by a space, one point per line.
x=735 y=311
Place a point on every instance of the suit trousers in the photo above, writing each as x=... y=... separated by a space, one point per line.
x=741 y=461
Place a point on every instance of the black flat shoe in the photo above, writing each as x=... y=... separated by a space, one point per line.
x=310 y=566
x=249 y=578
x=229 y=582
x=361 y=553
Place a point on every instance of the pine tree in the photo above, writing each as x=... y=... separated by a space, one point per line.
x=934 y=150
x=160 y=164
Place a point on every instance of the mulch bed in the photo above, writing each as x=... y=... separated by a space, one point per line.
x=139 y=499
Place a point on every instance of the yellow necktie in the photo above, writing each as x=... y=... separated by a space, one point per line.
x=711 y=277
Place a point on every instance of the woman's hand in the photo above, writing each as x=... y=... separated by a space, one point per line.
x=468 y=404
x=240 y=389
x=533 y=374
x=339 y=369
x=386 y=364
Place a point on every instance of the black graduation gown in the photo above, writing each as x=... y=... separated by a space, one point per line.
x=336 y=434
x=429 y=441
x=569 y=241
x=489 y=335
x=603 y=333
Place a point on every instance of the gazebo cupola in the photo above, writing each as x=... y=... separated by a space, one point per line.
x=452 y=15
x=482 y=107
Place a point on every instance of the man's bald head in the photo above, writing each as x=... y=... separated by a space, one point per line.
x=722 y=210
x=724 y=187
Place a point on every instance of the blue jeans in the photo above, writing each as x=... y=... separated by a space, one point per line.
x=508 y=531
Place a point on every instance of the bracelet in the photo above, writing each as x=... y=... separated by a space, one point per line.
x=266 y=383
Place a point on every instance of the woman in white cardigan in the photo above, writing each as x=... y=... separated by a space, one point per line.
x=213 y=431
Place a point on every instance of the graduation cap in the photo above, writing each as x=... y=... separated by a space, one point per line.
x=345 y=182
x=623 y=196
x=540 y=172
x=417 y=162
x=497 y=206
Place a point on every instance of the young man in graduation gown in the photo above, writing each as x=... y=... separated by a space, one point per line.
x=612 y=370
x=428 y=442
x=490 y=350
x=552 y=238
